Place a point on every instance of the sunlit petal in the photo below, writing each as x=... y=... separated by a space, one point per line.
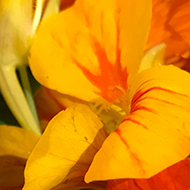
x=65 y=150
x=90 y=50
x=15 y=28
x=155 y=135
x=16 y=141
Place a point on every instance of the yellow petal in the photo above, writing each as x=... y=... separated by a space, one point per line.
x=91 y=50
x=16 y=141
x=15 y=28
x=51 y=8
x=154 y=57
x=155 y=135
x=66 y=148
x=64 y=100
x=16 y=144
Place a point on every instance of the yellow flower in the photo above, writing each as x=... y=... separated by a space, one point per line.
x=94 y=51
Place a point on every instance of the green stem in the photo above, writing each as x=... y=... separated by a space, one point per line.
x=15 y=99
x=28 y=92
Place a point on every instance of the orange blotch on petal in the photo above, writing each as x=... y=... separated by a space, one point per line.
x=112 y=79
x=170 y=24
x=172 y=178
x=96 y=58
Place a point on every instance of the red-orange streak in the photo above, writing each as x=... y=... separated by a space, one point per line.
x=111 y=75
x=135 y=121
x=118 y=131
x=133 y=155
x=139 y=94
x=167 y=102
x=138 y=107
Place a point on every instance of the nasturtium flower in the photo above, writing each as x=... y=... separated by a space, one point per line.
x=93 y=51
x=96 y=39
x=151 y=137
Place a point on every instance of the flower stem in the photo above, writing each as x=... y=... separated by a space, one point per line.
x=28 y=92
x=37 y=16
x=15 y=99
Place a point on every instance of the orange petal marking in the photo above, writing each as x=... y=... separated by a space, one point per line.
x=139 y=94
x=96 y=59
x=110 y=73
x=155 y=135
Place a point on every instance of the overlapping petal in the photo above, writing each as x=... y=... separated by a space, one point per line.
x=176 y=177
x=155 y=135
x=65 y=150
x=16 y=23
x=170 y=24
x=11 y=172
x=16 y=145
x=54 y=102
x=92 y=49
x=16 y=141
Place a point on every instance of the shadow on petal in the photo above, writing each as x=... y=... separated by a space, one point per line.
x=75 y=177
x=65 y=150
x=11 y=172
